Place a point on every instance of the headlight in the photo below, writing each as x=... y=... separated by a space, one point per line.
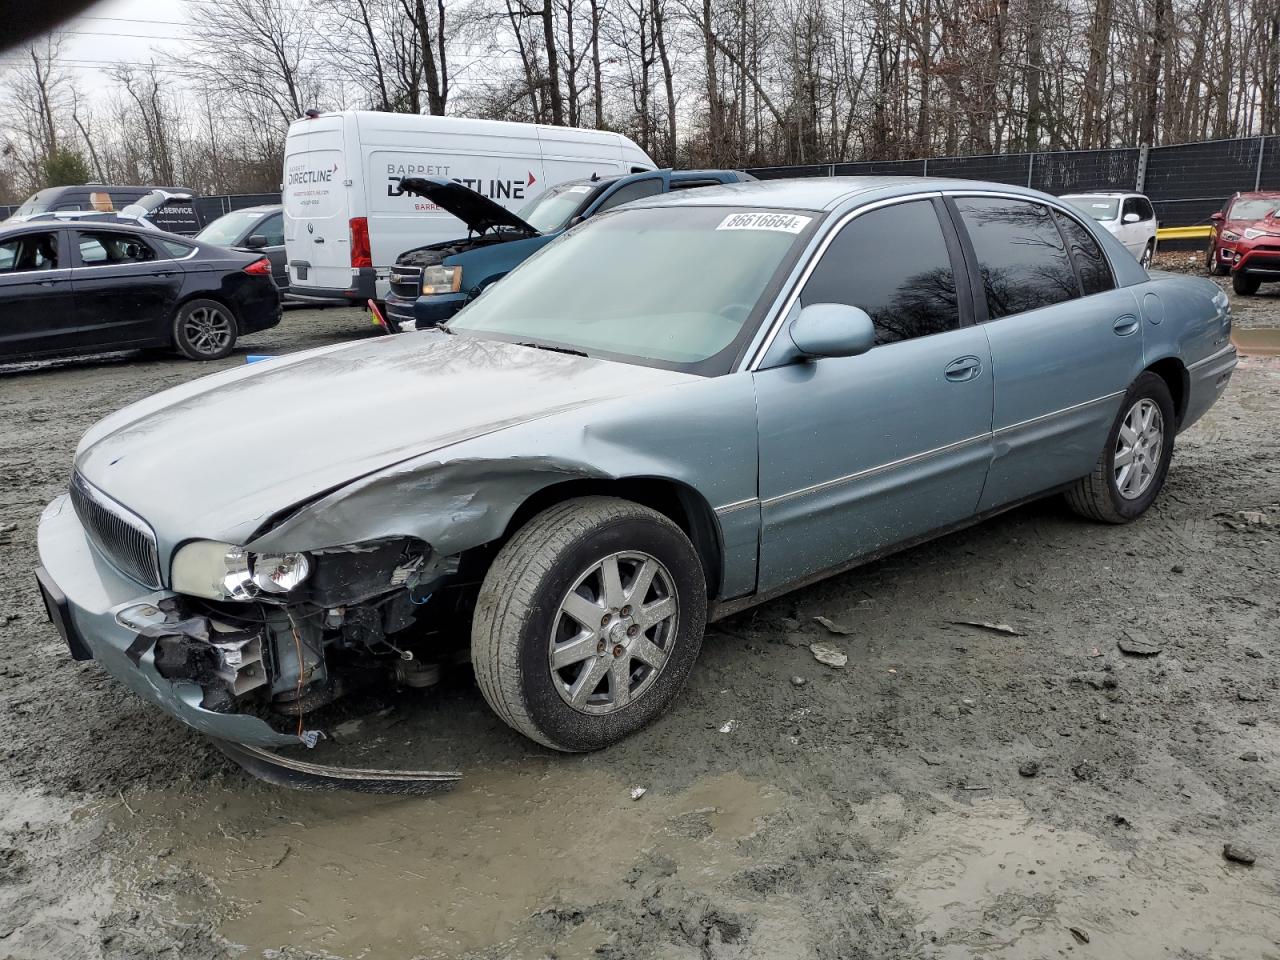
x=440 y=279
x=223 y=571
x=1228 y=235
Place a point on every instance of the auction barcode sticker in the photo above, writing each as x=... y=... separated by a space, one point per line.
x=782 y=222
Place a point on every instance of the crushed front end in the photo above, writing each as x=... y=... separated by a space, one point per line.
x=243 y=648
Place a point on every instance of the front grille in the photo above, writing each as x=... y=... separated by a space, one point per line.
x=119 y=534
x=406 y=281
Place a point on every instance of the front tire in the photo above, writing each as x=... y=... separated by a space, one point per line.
x=588 y=622
x=1135 y=461
x=1244 y=284
x=1212 y=263
x=1148 y=254
x=204 y=330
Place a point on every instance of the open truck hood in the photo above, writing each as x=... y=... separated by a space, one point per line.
x=219 y=457
x=478 y=212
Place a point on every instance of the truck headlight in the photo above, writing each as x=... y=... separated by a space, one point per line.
x=223 y=571
x=438 y=279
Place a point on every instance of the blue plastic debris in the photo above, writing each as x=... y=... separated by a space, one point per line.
x=258 y=357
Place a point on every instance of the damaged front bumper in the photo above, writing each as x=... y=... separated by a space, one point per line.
x=86 y=597
x=102 y=616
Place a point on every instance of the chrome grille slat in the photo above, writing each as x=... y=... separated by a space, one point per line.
x=120 y=535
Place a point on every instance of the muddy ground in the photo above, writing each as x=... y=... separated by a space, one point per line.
x=952 y=792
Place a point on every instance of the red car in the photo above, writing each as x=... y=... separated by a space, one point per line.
x=1246 y=241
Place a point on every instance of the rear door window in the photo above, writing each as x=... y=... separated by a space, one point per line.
x=1095 y=272
x=106 y=248
x=1022 y=260
x=893 y=263
x=29 y=252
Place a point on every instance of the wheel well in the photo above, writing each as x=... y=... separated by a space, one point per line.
x=1175 y=376
x=681 y=504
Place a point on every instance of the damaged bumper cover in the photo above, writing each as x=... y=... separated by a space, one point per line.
x=105 y=617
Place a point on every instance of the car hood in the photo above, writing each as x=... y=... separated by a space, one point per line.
x=221 y=456
x=477 y=211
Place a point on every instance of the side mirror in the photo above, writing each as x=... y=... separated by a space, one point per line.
x=1216 y=216
x=1131 y=218
x=255 y=242
x=832 y=330
x=576 y=219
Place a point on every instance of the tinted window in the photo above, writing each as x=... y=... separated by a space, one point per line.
x=31 y=251
x=893 y=263
x=108 y=248
x=178 y=250
x=1139 y=205
x=1095 y=272
x=273 y=229
x=1021 y=257
x=632 y=191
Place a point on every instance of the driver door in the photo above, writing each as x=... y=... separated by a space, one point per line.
x=858 y=454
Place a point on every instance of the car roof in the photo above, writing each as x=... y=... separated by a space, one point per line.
x=85 y=223
x=1102 y=193
x=1257 y=194
x=823 y=193
x=258 y=208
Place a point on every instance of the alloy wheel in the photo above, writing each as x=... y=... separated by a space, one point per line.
x=613 y=632
x=207 y=329
x=1138 y=448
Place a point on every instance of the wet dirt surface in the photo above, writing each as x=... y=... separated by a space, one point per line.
x=952 y=792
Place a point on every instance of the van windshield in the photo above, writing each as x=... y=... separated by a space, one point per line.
x=552 y=209
x=674 y=286
x=1100 y=208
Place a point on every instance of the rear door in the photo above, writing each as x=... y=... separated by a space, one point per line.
x=124 y=288
x=317 y=228
x=36 y=313
x=1065 y=341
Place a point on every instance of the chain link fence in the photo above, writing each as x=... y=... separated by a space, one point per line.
x=1186 y=182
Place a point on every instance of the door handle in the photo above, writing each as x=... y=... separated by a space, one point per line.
x=319 y=240
x=962 y=369
x=1126 y=325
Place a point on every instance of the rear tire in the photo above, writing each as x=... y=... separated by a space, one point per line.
x=1111 y=493
x=204 y=330
x=567 y=628
x=1244 y=284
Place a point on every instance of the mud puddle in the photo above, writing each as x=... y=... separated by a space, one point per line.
x=1257 y=341
x=349 y=876
x=987 y=880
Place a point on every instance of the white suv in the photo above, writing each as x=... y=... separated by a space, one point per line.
x=1128 y=216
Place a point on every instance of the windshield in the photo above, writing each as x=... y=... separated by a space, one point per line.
x=1252 y=209
x=552 y=209
x=1100 y=208
x=34 y=204
x=672 y=285
x=229 y=228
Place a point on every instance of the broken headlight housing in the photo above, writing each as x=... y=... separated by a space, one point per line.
x=440 y=279
x=223 y=571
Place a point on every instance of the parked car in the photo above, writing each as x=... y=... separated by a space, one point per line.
x=1246 y=241
x=674 y=412
x=171 y=209
x=253 y=230
x=1129 y=217
x=346 y=219
x=78 y=287
x=459 y=270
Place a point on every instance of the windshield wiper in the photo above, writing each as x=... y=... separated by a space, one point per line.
x=547 y=346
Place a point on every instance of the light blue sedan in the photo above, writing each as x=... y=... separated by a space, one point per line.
x=675 y=411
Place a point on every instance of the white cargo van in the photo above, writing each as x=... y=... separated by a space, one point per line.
x=345 y=219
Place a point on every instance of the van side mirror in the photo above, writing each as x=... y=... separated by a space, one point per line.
x=832 y=330
x=255 y=242
x=1131 y=217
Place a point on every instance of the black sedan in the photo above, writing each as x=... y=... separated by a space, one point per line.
x=80 y=287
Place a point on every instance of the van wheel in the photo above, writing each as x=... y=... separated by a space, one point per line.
x=1244 y=284
x=1135 y=461
x=204 y=330
x=588 y=622
x=1147 y=255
